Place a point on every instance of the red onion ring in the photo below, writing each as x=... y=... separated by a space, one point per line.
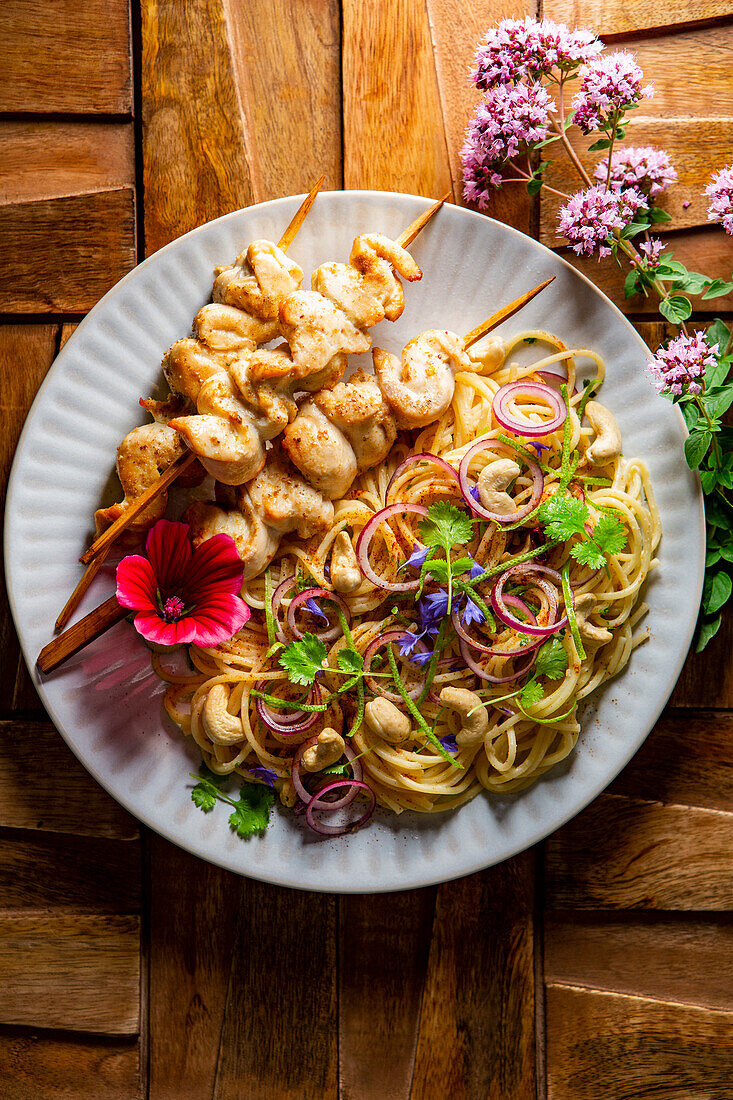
x=316 y=803
x=498 y=602
x=552 y=377
x=426 y=456
x=384 y=639
x=295 y=721
x=476 y=506
x=365 y=538
x=277 y=598
x=475 y=667
x=474 y=643
x=317 y=594
x=303 y=792
x=550 y=397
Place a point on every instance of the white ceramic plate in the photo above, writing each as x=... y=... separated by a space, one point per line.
x=107 y=703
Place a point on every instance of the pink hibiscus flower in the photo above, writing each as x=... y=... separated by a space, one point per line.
x=184 y=595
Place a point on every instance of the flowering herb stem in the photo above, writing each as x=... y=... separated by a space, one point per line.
x=570 y=610
x=412 y=709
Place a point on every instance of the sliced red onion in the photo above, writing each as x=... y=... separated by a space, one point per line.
x=538 y=482
x=426 y=456
x=484 y=675
x=365 y=538
x=289 y=722
x=303 y=792
x=490 y=649
x=333 y=632
x=277 y=598
x=499 y=602
x=389 y=637
x=541 y=390
x=550 y=376
x=316 y=803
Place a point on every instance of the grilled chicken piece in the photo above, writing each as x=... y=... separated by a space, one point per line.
x=359 y=410
x=377 y=258
x=321 y=451
x=258 y=281
x=419 y=388
x=141 y=457
x=256 y=543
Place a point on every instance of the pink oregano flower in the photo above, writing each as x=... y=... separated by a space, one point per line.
x=184 y=595
x=590 y=218
x=652 y=251
x=680 y=367
x=645 y=168
x=525 y=47
x=609 y=87
x=720 y=192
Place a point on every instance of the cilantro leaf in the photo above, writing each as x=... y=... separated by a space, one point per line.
x=337 y=770
x=610 y=534
x=204 y=797
x=303 y=660
x=531 y=694
x=252 y=809
x=462 y=565
x=350 y=660
x=445 y=526
x=552 y=660
x=588 y=553
x=563 y=516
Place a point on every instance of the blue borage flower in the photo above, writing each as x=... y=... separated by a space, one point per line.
x=264 y=774
x=540 y=447
x=417 y=557
x=449 y=743
x=431 y=610
x=315 y=609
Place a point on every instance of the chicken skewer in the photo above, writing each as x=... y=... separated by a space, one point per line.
x=255 y=540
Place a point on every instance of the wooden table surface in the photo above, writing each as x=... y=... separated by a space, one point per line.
x=599 y=964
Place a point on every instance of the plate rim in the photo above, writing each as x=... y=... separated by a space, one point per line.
x=179 y=839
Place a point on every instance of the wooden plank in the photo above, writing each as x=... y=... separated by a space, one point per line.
x=702 y=53
x=669 y=957
x=687 y=759
x=76 y=972
x=383 y=956
x=393 y=128
x=31 y=797
x=457 y=27
x=625 y=1048
x=61 y=872
x=616 y=17
x=287 y=67
x=697 y=147
x=95 y=235
x=192 y=120
x=75 y=59
x=293 y=983
x=477 y=1024
x=61 y=1067
x=625 y=853
x=47 y=159
x=193 y=919
x=26 y=352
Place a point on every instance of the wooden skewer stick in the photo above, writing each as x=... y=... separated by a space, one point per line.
x=81 y=634
x=300 y=215
x=503 y=314
x=86 y=579
x=419 y=223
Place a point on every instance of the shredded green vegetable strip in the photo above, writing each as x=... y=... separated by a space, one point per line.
x=570 y=610
x=433 y=663
x=288 y=704
x=427 y=730
x=359 y=716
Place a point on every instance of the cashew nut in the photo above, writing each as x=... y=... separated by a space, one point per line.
x=607 y=444
x=488 y=355
x=219 y=724
x=474 y=727
x=492 y=482
x=345 y=572
x=584 y=605
x=327 y=750
x=288 y=797
x=387 y=721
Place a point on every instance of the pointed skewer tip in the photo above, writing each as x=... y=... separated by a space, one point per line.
x=503 y=314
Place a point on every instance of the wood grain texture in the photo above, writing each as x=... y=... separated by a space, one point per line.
x=278 y=1037
x=62 y=1067
x=33 y=798
x=625 y=853
x=74 y=972
x=670 y=957
x=286 y=61
x=193 y=918
x=44 y=160
x=477 y=1024
x=195 y=161
x=62 y=255
x=383 y=956
x=697 y=147
x=687 y=759
x=68 y=873
x=625 y=1048
x=616 y=17
x=393 y=129
x=457 y=27
x=26 y=353
x=73 y=58
x=702 y=54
